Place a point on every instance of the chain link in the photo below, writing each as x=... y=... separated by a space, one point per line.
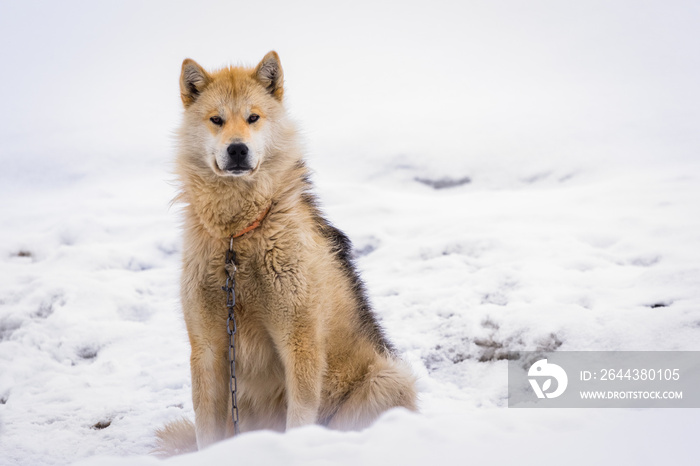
x=230 y=289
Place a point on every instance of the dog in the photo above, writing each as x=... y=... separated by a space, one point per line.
x=309 y=349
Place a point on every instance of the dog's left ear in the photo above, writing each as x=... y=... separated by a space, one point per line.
x=193 y=80
x=269 y=74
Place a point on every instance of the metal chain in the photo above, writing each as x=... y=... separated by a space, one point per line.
x=230 y=289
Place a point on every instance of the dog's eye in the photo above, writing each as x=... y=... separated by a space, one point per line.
x=253 y=118
x=216 y=120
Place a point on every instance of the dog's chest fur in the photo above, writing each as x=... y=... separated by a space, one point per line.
x=273 y=283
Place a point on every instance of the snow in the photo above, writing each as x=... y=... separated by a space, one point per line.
x=515 y=176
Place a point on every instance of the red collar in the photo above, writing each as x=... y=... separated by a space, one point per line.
x=253 y=225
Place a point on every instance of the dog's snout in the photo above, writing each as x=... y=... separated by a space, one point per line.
x=237 y=149
x=237 y=157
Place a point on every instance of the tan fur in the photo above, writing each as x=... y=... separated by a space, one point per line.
x=175 y=438
x=307 y=349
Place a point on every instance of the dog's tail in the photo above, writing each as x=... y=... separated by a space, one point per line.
x=175 y=438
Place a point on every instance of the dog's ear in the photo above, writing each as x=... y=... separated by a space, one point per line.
x=269 y=74
x=193 y=80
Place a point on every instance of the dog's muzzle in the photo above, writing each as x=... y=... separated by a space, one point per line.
x=238 y=160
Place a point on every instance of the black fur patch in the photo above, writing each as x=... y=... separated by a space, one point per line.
x=342 y=247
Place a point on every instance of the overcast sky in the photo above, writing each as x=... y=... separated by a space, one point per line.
x=508 y=79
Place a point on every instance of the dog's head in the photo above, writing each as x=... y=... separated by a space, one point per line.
x=231 y=115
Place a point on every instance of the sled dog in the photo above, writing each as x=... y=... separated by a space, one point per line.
x=308 y=346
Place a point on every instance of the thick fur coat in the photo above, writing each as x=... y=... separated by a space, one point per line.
x=309 y=348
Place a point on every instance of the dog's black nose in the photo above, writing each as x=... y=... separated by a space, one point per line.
x=237 y=149
x=238 y=157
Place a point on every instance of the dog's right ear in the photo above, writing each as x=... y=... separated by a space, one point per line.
x=193 y=80
x=269 y=74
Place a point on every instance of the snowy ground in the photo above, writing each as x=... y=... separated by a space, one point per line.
x=543 y=194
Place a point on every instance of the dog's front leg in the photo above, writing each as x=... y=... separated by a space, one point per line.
x=302 y=356
x=210 y=390
x=294 y=324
